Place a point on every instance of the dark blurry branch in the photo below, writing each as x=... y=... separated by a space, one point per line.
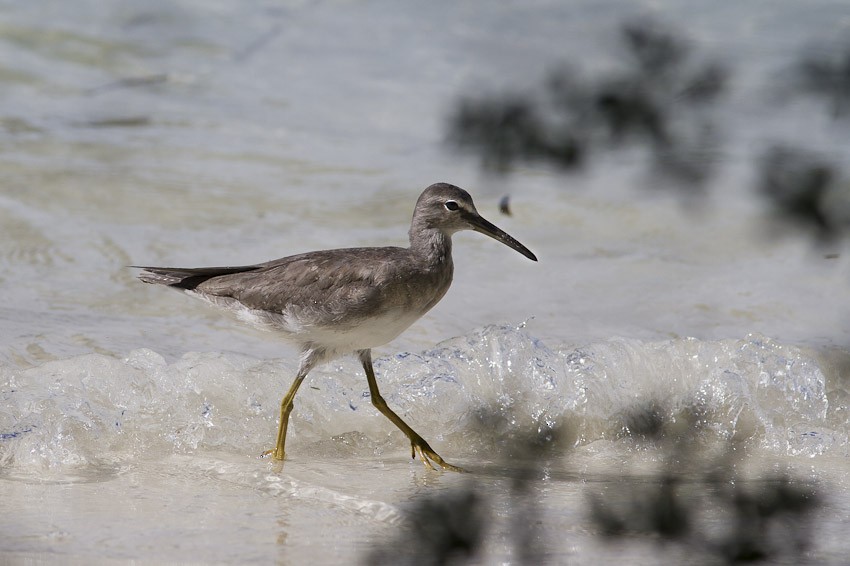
x=696 y=502
x=659 y=101
x=440 y=530
x=806 y=189
x=662 y=103
x=825 y=74
x=768 y=518
x=450 y=527
x=653 y=509
x=508 y=130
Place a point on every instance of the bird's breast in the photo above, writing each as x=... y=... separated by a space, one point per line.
x=362 y=308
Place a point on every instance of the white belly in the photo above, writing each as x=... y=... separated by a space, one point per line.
x=301 y=327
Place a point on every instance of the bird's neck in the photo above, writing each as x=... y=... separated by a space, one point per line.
x=434 y=246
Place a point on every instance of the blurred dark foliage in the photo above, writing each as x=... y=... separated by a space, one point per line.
x=825 y=73
x=805 y=189
x=696 y=502
x=448 y=529
x=654 y=510
x=527 y=456
x=657 y=101
x=663 y=102
x=766 y=519
x=509 y=129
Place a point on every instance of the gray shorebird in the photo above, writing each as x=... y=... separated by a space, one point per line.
x=336 y=302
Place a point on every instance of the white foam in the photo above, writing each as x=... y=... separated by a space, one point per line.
x=96 y=412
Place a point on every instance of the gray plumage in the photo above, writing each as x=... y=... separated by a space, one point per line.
x=336 y=302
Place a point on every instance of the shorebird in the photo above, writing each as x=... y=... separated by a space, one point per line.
x=337 y=302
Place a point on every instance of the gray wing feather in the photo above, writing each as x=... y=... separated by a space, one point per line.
x=324 y=280
x=335 y=281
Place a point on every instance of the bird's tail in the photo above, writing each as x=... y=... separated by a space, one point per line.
x=186 y=277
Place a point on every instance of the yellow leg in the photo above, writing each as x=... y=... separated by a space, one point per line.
x=417 y=443
x=285 y=408
x=309 y=359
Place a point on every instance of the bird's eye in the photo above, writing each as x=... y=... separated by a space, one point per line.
x=452 y=205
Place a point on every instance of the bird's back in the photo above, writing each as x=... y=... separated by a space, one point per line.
x=347 y=298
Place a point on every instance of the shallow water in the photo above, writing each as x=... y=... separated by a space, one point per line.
x=139 y=458
x=131 y=417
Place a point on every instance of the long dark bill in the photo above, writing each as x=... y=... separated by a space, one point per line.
x=483 y=226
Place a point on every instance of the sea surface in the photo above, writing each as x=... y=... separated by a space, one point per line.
x=195 y=133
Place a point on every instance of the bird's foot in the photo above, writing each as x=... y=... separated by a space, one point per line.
x=429 y=457
x=276 y=454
